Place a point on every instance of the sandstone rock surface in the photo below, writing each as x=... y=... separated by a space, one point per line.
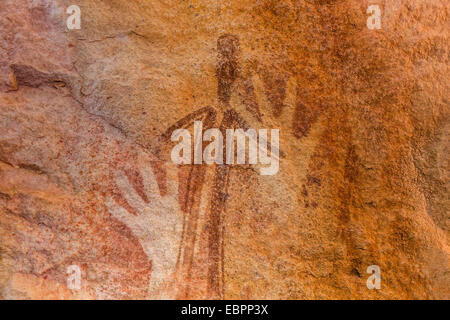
x=86 y=177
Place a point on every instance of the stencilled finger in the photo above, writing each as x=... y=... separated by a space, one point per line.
x=128 y=192
x=172 y=187
x=291 y=94
x=136 y=223
x=117 y=211
x=260 y=95
x=290 y=101
x=150 y=182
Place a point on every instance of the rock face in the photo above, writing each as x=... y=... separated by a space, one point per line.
x=86 y=177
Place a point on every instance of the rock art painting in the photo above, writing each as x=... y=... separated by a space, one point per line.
x=93 y=205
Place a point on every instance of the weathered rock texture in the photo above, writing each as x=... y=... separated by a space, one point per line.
x=86 y=177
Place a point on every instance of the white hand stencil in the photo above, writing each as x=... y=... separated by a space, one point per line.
x=157 y=225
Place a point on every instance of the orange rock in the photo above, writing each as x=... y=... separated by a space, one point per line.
x=86 y=177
